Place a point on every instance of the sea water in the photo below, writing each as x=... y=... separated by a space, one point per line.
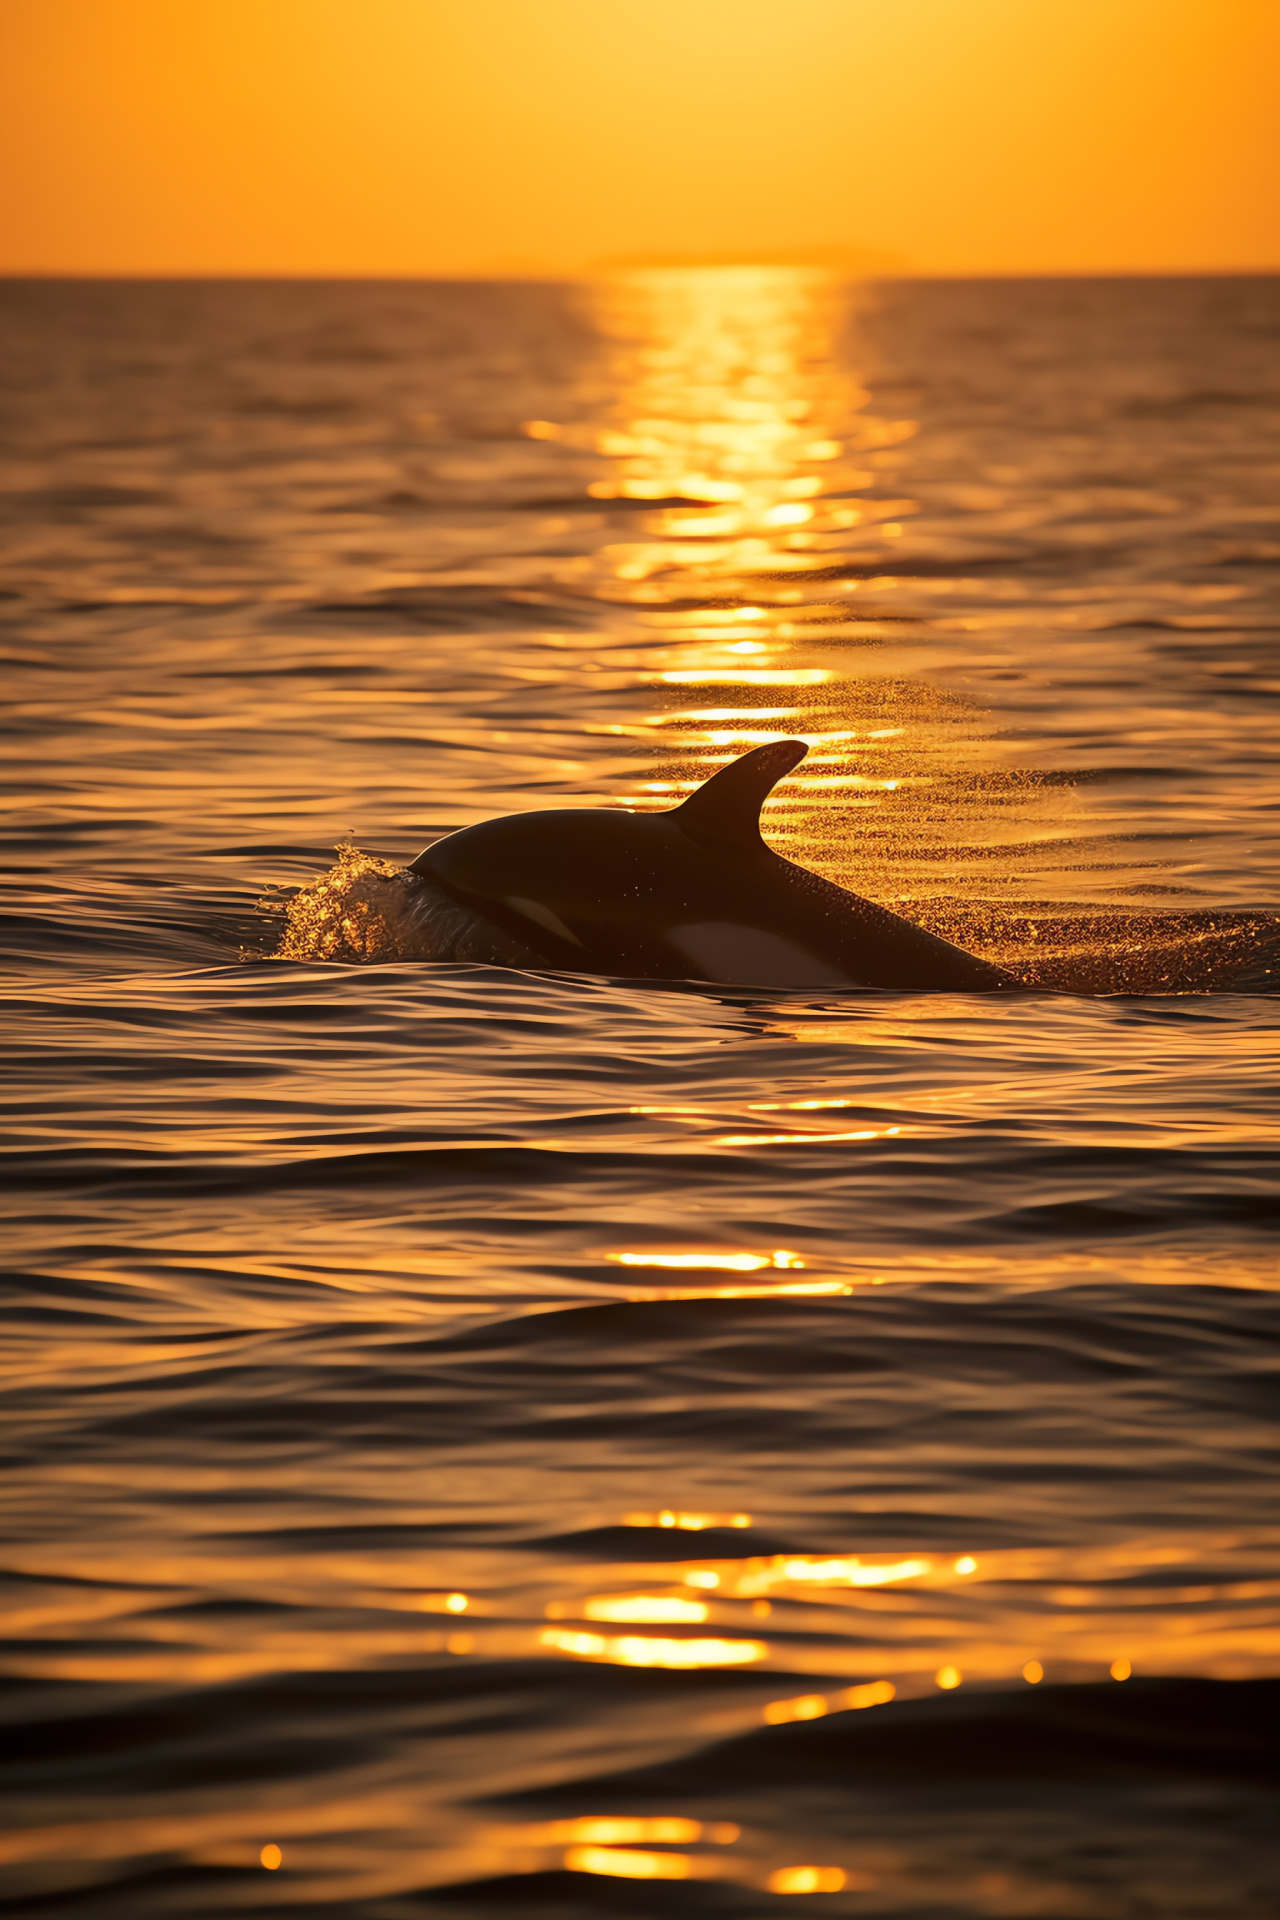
x=483 y=1439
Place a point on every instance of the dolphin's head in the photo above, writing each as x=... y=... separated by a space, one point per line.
x=605 y=890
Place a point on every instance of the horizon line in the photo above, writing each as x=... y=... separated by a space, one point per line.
x=531 y=275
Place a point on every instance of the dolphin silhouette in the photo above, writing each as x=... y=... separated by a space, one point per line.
x=692 y=894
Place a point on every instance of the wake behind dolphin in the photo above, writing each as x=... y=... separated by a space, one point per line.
x=691 y=894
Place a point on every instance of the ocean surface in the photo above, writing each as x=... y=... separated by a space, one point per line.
x=482 y=1441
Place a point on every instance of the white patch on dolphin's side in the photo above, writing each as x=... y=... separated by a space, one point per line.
x=542 y=916
x=751 y=957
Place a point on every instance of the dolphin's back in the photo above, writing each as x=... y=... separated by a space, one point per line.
x=690 y=894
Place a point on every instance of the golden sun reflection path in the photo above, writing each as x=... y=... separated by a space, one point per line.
x=752 y=573
x=759 y=574
x=883 y=1625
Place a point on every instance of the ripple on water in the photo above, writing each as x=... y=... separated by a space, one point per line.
x=489 y=1437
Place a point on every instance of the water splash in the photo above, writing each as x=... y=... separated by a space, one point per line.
x=359 y=912
x=365 y=911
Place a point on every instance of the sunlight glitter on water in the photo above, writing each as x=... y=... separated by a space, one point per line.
x=726 y=1262
x=303 y=1453
x=652 y=1650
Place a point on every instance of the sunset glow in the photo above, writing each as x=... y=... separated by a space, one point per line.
x=541 y=136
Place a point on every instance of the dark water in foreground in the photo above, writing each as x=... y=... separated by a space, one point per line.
x=524 y=1442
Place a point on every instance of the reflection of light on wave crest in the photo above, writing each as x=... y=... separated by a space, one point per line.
x=645 y=1609
x=698 y=1116
x=763 y=1291
x=798 y=1139
x=645 y=1650
x=701 y=714
x=815 y=1706
x=627 y=1864
x=747 y=1579
x=726 y=1262
x=624 y=1830
x=848 y=1572
x=814 y=1880
x=845 y=1571
x=688 y=1522
x=747 y=676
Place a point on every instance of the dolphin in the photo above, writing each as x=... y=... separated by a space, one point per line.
x=690 y=894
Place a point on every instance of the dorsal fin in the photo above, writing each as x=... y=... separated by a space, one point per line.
x=725 y=811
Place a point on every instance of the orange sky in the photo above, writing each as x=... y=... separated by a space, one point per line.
x=461 y=136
